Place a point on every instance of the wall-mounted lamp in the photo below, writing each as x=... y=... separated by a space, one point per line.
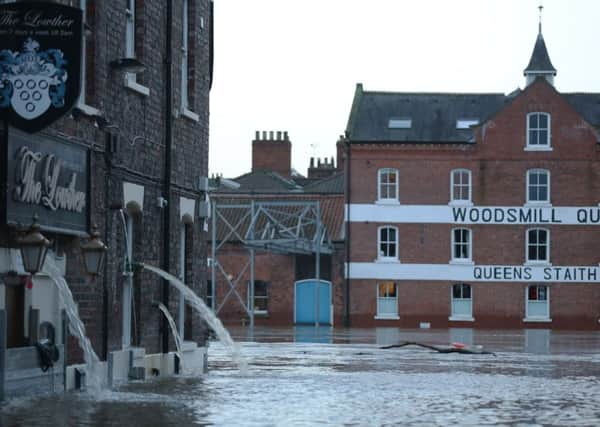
x=129 y=65
x=34 y=247
x=94 y=252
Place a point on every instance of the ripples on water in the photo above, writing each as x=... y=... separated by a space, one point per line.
x=303 y=384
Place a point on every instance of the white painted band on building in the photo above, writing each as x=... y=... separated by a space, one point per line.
x=474 y=273
x=511 y=215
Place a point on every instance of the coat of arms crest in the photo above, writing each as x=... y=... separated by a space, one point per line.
x=39 y=69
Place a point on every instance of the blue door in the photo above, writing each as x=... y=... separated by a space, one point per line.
x=306 y=302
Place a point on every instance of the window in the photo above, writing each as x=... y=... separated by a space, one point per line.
x=134 y=43
x=400 y=123
x=462 y=303
x=538 y=302
x=87 y=57
x=387 y=300
x=538 y=131
x=187 y=60
x=261 y=297
x=461 y=244
x=388 y=244
x=388 y=185
x=538 y=245
x=466 y=123
x=538 y=186
x=460 y=186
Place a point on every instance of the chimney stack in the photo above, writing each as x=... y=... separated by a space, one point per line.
x=273 y=153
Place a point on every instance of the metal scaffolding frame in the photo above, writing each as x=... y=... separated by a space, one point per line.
x=286 y=227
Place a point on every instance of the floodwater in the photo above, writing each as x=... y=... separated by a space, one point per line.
x=306 y=376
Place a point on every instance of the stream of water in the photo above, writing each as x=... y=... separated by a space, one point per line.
x=205 y=312
x=175 y=332
x=94 y=378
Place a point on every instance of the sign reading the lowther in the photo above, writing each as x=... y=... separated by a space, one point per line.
x=40 y=63
x=49 y=177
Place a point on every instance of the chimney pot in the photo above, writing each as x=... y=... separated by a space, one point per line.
x=271 y=135
x=285 y=135
x=257 y=135
x=278 y=135
x=264 y=133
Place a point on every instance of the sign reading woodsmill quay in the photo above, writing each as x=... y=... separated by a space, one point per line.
x=40 y=62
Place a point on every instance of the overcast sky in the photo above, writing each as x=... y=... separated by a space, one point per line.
x=292 y=65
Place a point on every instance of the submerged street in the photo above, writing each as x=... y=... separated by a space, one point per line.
x=303 y=376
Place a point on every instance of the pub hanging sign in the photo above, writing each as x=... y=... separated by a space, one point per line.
x=40 y=62
x=49 y=177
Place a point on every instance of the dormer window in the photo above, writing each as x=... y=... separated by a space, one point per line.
x=538 y=131
x=400 y=123
x=466 y=123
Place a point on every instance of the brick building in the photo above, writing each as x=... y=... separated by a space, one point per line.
x=475 y=210
x=142 y=142
x=284 y=271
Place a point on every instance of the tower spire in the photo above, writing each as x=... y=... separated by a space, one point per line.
x=540 y=64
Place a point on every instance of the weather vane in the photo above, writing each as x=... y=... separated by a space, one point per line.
x=541 y=7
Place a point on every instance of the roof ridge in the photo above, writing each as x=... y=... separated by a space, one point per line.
x=435 y=93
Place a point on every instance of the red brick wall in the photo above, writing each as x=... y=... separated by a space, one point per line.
x=272 y=153
x=498 y=163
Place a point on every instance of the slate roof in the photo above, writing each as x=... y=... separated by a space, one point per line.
x=331 y=185
x=433 y=115
x=540 y=60
x=261 y=181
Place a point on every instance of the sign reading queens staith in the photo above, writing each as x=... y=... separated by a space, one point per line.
x=40 y=62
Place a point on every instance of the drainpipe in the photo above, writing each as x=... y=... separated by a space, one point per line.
x=348 y=199
x=167 y=179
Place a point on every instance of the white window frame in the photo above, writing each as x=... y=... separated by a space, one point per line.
x=387 y=200
x=535 y=261
x=461 y=185
x=539 y=147
x=384 y=258
x=130 y=78
x=454 y=303
x=528 y=184
x=531 y=317
x=87 y=109
x=185 y=99
x=469 y=243
x=384 y=303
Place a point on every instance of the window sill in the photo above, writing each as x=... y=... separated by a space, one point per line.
x=88 y=109
x=461 y=262
x=387 y=202
x=130 y=83
x=533 y=148
x=538 y=264
x=386 y=317
x=188 y=114
x=461 y=319
x=460 y=203
x=261 y=313
x=537 y=319
x=537 y=205
x=386 y=261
